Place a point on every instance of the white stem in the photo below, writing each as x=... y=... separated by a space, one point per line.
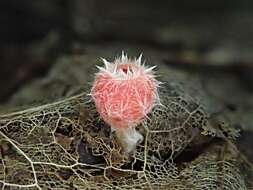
x=129 y=138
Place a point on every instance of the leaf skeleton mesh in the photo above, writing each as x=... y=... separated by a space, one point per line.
x=66 y=145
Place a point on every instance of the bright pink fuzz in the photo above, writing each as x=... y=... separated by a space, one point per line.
x=124 y=92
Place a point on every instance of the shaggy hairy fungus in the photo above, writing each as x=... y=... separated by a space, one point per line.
x=124 y=92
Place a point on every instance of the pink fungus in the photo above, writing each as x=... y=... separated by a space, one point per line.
x=124 y=92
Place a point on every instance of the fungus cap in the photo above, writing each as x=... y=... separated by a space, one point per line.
x=124 y=92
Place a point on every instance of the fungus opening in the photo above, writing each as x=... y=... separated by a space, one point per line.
x=125 y=68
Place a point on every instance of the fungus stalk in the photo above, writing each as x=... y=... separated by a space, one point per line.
x=124 y=92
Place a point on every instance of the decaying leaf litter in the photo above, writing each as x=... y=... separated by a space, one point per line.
x=63 y=144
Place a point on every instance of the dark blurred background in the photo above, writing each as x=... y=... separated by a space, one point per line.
x=34 y=33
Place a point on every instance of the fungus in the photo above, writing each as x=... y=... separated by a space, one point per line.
x=124 y=92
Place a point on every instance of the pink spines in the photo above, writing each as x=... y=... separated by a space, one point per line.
x=123 y=103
